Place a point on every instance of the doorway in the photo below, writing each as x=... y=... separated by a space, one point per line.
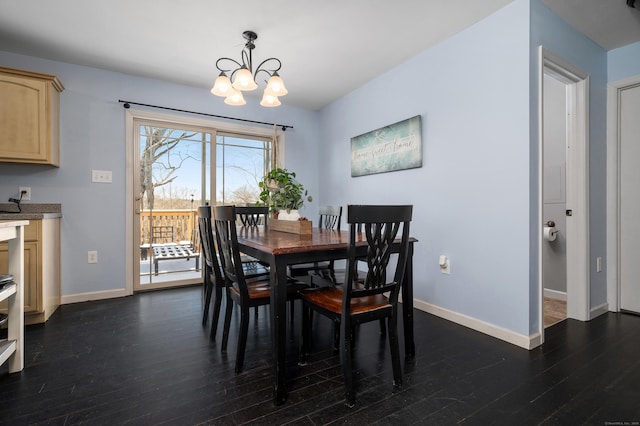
x=565 y=194
x=174 y=165
x=554 y=245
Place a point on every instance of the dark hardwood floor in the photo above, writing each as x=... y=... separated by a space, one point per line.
x=146 y=359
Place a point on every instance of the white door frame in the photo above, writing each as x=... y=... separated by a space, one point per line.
x=614 y=91
x=578 y=278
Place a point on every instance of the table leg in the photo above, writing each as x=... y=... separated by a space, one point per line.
x=407 y=307
x=278 y=276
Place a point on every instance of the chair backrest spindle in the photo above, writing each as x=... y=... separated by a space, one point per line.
x=207 y=241
x=252 y=215
x=330 y=217
x=229 y=253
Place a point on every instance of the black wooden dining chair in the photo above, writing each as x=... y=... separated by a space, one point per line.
x=211 y=276
x=373 y=299
x=241 y=290
x=330 y=218
x=252 y=215
x=214 y=281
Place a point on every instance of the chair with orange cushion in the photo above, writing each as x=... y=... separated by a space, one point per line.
x=214 y=282
x=376 y=297
x=241 y=290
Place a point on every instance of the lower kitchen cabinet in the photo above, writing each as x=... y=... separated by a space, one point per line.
x=41 y=269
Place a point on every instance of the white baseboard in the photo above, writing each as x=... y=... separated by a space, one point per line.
x=526 y=342
x=599 y=310
x=96 y=295
x=555 y=294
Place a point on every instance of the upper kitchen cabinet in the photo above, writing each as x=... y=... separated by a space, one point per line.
x=29 y=117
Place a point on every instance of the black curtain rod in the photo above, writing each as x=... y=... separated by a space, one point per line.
x=127 y=105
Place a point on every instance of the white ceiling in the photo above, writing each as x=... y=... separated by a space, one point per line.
x=328 y=48
x=610 y=23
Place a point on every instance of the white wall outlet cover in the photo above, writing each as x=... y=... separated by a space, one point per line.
x=27 y=193
x=445 y=265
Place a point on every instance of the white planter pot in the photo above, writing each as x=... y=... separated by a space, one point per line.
x=291 y=215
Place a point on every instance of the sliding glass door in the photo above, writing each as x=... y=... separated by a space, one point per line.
x=174 y=172
x=174 y=177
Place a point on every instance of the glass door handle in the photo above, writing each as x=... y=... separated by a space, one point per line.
x=137 y=209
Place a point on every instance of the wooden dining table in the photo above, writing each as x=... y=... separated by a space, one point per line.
x=279 y=249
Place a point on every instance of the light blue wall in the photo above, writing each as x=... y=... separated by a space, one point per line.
x=624 y=62
x=475 y=198
x=548 y=30
x=92 y=136
x=471 y=196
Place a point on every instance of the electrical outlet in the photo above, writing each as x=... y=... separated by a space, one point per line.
x=92 y=256
x=27 y=193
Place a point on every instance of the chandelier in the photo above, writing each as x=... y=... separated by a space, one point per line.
x=242 y=77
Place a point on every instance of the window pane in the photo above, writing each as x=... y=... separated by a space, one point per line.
x=172 y=165
x=240 y=165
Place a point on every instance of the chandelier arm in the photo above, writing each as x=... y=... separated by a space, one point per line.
x=226 y=59
x=246 y=59
x=271 y=70
x=255 y=75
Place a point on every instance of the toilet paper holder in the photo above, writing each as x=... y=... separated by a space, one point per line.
x=550 y=232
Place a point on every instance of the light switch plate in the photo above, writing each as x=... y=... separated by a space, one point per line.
x=101 y=176
x=445 y=265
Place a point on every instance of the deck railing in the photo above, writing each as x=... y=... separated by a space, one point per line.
x=182 y=225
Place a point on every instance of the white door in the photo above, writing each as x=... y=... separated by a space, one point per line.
x=629 y=169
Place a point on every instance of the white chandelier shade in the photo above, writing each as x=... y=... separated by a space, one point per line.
x=269 y=100
x=222 y=86
x=235 y=98
x=275 y=86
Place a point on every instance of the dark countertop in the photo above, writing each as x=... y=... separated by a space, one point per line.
x=9 y=211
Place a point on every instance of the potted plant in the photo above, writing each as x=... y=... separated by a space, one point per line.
x=283 y=194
